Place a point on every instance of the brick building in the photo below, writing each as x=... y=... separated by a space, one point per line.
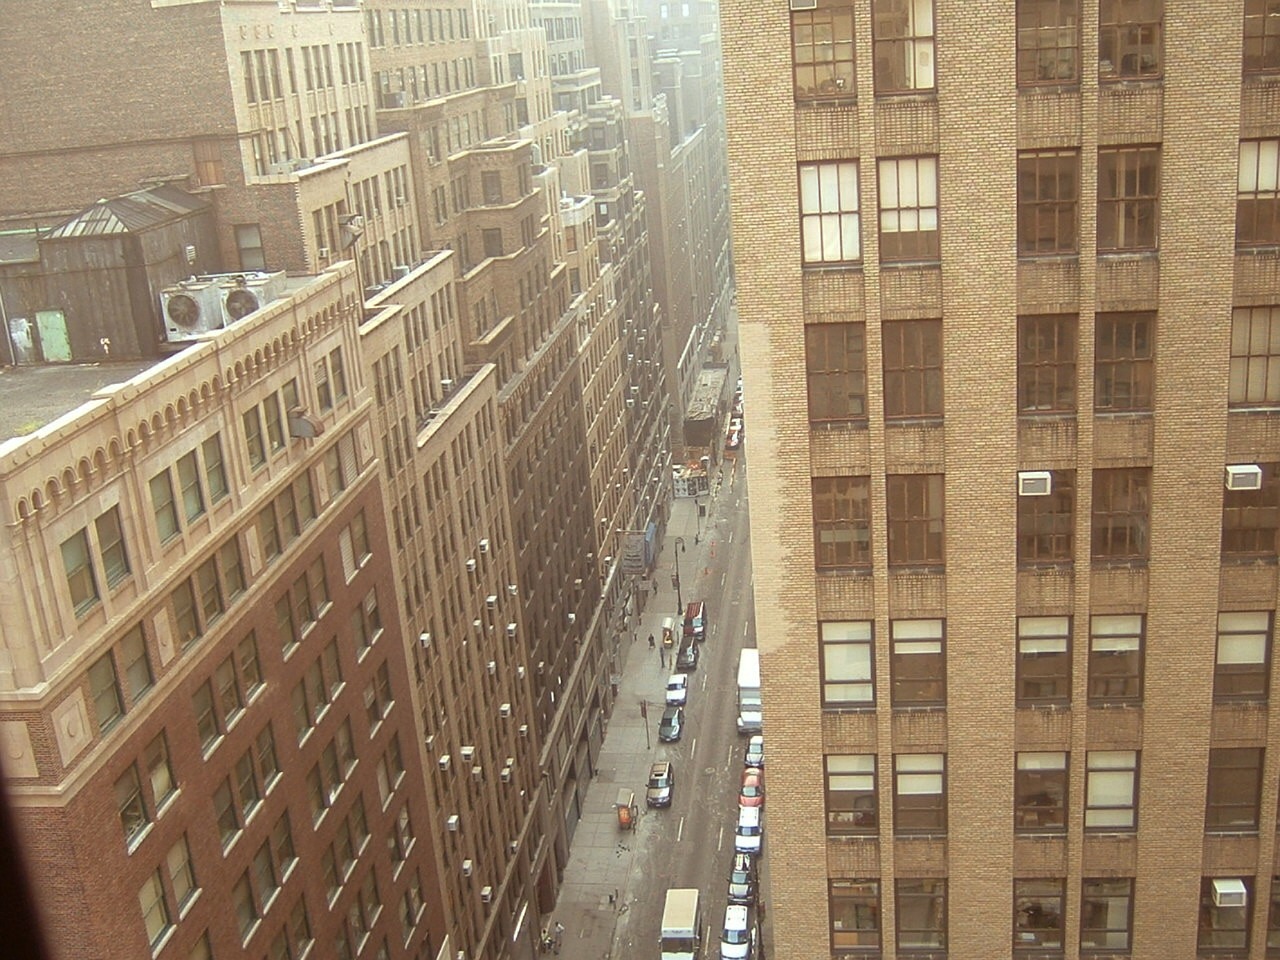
x=1007 y=275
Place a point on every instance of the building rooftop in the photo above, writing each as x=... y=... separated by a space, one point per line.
x=130 y=213
x=705 y=400
x=32 y=396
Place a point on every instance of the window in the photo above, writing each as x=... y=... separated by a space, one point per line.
x=1038 y=914
x=1261 y=36
x=1111 y=790
x=1273 y=919
x=1044 y=661
x=1047 y=364
x=1128 y=199
x=1258 y=194
x=852 y=801
x=1235 y=786
x=253 y=438
x=919 y=793
x=1123 y=361
x=822 y=52
x=829 y=223
x=1242 y=669
x=207 y=725
x=1046 y=525
x=854 y=907
x=189 y=485
x=1129 y=39
x=912 y=368
x=181 y=876
x=1251 y=518
x=1048 y=202
x=915 y=508
x=366 y=622
x=1115 y=659
x=1048 y=42
x=909 y=208
x=1226 y=905
x=836 y=366
x=919 y=666
x=848 y=678
x=1121 y=512
x=115 y=559
x=842 y=522
x=1040 y=793
x=903 y=34
x=225 y=813
x=77 y=564
x=162 y=503
x=338 y=371
x=492 y=240
x=159 y=771
x=130 y=805
x=243 y=906
x=922 y=914
x=155 y=912
x=249 y=244
x=104 y=687
x=1106 y=914
x=1255 y=356
x=491 y=186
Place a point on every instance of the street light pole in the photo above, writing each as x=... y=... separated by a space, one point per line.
x=676 y=579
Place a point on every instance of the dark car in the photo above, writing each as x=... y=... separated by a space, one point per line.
x=687 y=658
x=671 y=725
x=662 y=783
x=742 y=879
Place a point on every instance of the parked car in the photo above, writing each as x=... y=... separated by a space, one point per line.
x=661 y=785
x=738 y=938
x=751 y=793
x=677 y=689
x=687 y=658
x=742 y=879
x=749 y=836
x=695 y=620
x=671 y=725
x=754 y=756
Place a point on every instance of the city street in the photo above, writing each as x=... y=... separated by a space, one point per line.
x=612 y=899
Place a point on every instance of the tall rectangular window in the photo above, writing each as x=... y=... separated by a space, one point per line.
x=854 y=909
x=912 y=368
x=1111 y=790
x=130 y=806
x=918 y=663
x=1047 y=363
x=852 y=801
x=1048 y=202
x=909 y=208
x=1261 y=37
x=1130 y=39
x=1234 y=788
x=919 y=793
x=182 y=877
x=155 y=911
x=104 y=687
x=848 y=678
x=164 y=507
x=189 y=485
x=1040 y=793
x=115 y=559
x=1258 y=194
x=1115 y=659
x=842 y=522
x=1039 y=915
x=822 y=51
x=1242 y=668
x=1046 y=525
x=1106 y=914
x=249 y=245
x=1251 y=518
x=1128 y=199
x=137 y=665
x=922 y=914
x=830 y=229
x=77 y=564
x=255 y=446
x=1124 y=366
x=836 y=368
x=1121 y=513
x=903 y=36
x=1255 y=357
x=1044 y=661
x=1048 y=42
x=1226 y=907
x=915 y=509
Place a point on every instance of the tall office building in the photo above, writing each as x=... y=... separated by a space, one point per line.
x=1008 y=278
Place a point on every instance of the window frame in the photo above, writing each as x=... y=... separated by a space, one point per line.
x=78 y=571
x=1035 y=774
x=932 y=892
x=1117 y=629
x=1049 y=633
x=1053 y=201
x=1128 y=215
x=1231 y=764
x=856 y=811
x=1258 y=194
x=909 y=640
x=926 y=248
x=1111 y=19
x=836 y=373
x=1121 y=532
x=852 y=630
x=1048 y=520
x=912 y=357
x=1110 y=763
x=1124 y=362
x=932 y=818
x=913 y=38
x=1233 y=624
x=1031 y=55
x=1260 y=25
x=1208 y=911
x=829 y=200
x=1101 y=894
x=1044 y=371
x=830 y=19
x=841 y=510
x=1254 y=358
x=915 y=507
x=861 y=903
x=1251 y=519
x=1037 y=890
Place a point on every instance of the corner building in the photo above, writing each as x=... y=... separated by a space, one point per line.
x=1007 y=277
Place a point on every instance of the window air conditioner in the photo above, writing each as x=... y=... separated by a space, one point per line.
x=506 y=774
x=424 y=639
x=477 y=773
x=491 y=601
x=493 y=667
x=453 y=823
x=471 y=565
x=323 y=253
x=504 y=710
x=486 y=894
x=524 y=730
x=1244 y=476
x=511 y=629
x=484 y=545
x=1034 y=483
x=466 y=868
x=444 y=762
x=468 y=753
x=1229 y=892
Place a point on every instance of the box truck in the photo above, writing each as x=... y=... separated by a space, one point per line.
x=750 y=715
x=681 y=925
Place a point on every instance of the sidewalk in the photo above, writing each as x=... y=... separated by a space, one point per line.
x=597 y=894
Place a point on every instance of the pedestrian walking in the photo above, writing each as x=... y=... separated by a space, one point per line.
x=559 y=936
x=651 y=643
x=655 y=586
x=662 y=657
x=760 y=910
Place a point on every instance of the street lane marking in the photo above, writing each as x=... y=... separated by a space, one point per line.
x=720 y=839
x=694 y=748
x=680 y=830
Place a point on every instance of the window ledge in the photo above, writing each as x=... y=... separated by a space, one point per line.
x=1055 y=257
x=1253 y=411
x=852 y=424
x=1259 y=250
x=892 y=265
x=1123 y=256
x=1055 y=707
x=1031 y=89
x=832 y=266
x=1244 y=560
x=929 y=95
x=1115 y=704
x=1118 y=563
x=1046 y=566
x=919 y=708
x=849 y=708
x=1130 y=83
x=1242 y=833
x=849 y=571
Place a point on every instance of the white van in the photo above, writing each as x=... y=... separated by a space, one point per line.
x=749 y=837
x=737 y=938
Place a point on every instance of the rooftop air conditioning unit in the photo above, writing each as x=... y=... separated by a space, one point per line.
x=1034 y=483
x=1229 y=892
x=399 y=271
x=243 y=293
x=453 y=823
x=190 y=308
x=1244 y=476
x=486 y=894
